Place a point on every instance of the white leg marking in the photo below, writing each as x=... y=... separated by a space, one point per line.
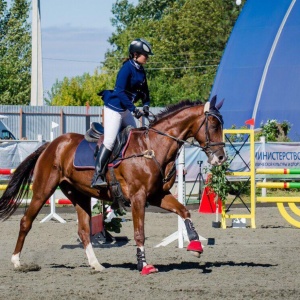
x=93 y=261
x=15 y=259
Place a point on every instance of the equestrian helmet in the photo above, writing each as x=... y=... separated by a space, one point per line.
x=140 y=46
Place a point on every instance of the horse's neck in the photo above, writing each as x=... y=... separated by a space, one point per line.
x=179 y=125
x=177 y=129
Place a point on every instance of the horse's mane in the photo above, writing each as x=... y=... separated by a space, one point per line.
x=170 y=109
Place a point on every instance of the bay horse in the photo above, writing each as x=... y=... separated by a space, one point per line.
x=143 y=178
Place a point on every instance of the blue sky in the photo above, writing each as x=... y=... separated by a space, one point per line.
x=74 y=36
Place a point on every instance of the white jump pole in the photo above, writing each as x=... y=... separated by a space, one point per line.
x=180 y=234
x=53 y=214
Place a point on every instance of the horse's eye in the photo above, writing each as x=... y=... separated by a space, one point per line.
x=213 y=127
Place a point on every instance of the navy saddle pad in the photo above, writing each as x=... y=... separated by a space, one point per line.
x=84 y=155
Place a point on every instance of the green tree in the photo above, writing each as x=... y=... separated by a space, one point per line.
x=274 y=131
x=79 y=90
x=188 y=38
x=15 y=53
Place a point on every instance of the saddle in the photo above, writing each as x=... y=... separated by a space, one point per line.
x=95 y=134
x=121 y=142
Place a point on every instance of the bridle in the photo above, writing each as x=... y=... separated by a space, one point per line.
x=208 y=144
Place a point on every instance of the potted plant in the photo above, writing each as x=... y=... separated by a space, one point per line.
x=218 y=183
x=100 y=222
x=97 y=222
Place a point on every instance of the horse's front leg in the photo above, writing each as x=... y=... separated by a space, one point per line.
x=170 y=203
x=84 y=213
x=138 y=215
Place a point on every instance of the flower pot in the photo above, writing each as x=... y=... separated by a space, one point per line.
x=97 y=224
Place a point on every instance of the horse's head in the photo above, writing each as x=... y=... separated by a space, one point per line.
x=210 y=132
x=193 y=119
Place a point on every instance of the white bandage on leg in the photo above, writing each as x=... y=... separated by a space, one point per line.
x=93 y=261
x=15 y=259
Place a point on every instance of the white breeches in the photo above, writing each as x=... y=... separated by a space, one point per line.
x=113 y=122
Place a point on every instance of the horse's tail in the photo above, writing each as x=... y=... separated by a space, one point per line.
x=19 y=184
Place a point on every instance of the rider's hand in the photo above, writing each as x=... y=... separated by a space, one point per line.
x=137 y=113
x=146 y=110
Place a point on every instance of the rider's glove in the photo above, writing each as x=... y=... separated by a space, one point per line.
x=146 y=110
x=137 y=113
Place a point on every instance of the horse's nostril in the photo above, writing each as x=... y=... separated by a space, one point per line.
x=223 y=158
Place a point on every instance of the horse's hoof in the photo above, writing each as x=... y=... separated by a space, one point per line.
x=148 y=269
x=195 y=247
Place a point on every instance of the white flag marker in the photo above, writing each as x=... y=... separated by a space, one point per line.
x=54 y=125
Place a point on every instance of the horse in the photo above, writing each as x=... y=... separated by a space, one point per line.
x=144 y=175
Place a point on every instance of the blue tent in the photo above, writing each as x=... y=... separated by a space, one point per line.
x=259 y=74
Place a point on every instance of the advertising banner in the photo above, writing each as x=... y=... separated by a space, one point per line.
x=268 y=155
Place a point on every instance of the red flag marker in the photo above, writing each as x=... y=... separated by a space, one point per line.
x=250 y=122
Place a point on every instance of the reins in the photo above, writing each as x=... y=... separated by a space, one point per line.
x=151 y=154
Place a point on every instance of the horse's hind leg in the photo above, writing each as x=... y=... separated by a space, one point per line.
x=41 y=193
x=170 y=203
x=83 y=208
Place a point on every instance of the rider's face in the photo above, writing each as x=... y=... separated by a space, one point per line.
x=142 y=58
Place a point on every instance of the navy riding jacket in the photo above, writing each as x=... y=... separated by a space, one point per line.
x=131 y=86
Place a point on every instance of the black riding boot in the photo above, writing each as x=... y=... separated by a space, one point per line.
x=100 y=168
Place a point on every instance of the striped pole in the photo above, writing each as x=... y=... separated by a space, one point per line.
x=57 y=201
x=6 y=171
x=277 y=171
x=278 y=185
x=61 y=202
x=280 y=201
x=4 y=186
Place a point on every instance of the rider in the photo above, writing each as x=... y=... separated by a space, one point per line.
x=131 y=85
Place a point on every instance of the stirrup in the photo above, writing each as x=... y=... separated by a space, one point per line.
x=99 y=183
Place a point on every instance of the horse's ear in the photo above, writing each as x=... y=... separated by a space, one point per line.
x=213 y=101
x=220 y=104
x=206 y=106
